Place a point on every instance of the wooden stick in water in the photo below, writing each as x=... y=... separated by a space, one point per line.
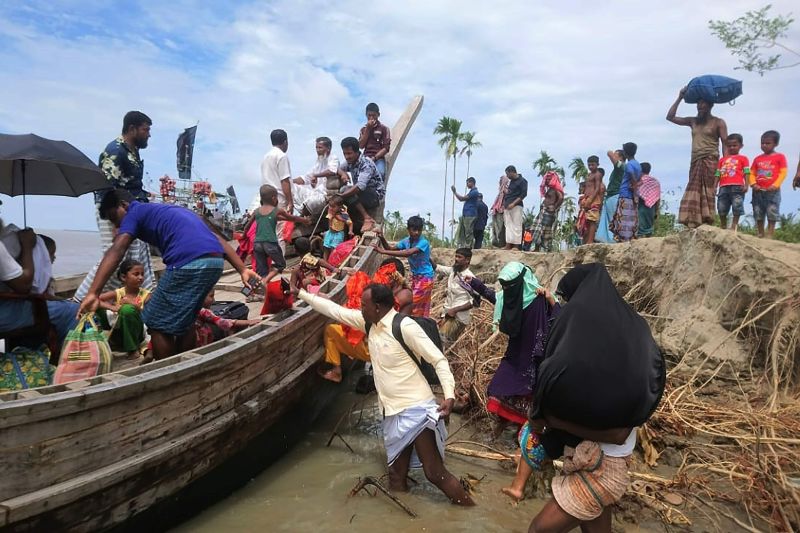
x=495 y=456
x=368 y=480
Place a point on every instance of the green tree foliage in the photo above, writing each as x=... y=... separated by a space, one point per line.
x=545 y=163
x=394 y=229
x=449 y=130
x=665 y=223
x=578 y=169
x=787 y=229
x=753 y=37
x=470 y=144
x=565 y=225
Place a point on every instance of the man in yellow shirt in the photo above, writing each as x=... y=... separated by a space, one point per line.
x=413 y=429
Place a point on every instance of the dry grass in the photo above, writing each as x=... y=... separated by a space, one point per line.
x=738 y=430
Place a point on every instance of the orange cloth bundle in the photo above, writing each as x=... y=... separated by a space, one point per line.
x=355 y=286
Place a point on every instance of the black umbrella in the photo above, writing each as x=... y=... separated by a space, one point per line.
x=30 y=164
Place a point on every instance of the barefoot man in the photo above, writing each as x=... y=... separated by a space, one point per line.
x=367 y=190
x=592 y=199
x=413 y=427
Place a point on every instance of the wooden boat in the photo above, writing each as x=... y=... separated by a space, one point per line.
x=148 y=444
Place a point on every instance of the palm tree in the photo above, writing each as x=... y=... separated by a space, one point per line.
x=450 y=130
x=544 y=164
x=469 y=145
x=455 y=133
x=578 y=168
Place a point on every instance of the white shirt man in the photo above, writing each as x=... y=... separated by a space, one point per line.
x=458 y=296
x=413 y=430
x=310 y=191
x=276 y=171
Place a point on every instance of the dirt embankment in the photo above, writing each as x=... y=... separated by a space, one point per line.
x=725 y=310
x=707 y=293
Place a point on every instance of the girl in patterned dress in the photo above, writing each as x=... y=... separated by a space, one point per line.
x=128 y=334
x=338 y=220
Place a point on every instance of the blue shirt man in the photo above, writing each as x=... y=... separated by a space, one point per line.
x=633 y=173
x=465 y=233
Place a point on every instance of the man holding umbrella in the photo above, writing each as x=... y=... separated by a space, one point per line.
x=124 y=169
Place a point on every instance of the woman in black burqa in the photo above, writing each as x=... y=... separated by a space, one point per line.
x=602 y=376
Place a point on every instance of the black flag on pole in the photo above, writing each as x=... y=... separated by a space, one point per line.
x=185 y=150
x=234 y=200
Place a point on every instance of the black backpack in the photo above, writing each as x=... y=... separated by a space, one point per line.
x=230 y=310
x=430 y=328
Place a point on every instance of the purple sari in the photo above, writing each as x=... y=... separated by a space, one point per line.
x=515 y=377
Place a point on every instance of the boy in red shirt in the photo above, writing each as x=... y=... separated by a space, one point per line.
x=766 y=175
x=731 y=173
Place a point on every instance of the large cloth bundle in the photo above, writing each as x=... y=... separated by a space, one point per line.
x=25 y=368
x=712 y=88
x=602 y=368
x=85 y=354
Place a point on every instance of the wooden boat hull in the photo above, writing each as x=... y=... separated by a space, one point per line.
x=84 y=458
x=136 y=445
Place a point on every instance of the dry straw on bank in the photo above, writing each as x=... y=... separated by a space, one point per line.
x=737 y=431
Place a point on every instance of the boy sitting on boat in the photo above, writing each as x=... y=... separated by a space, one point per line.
x=193 y=256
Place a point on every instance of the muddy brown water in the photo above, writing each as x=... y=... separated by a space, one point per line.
x=307 y=489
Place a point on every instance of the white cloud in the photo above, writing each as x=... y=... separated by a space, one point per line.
x=576 y=79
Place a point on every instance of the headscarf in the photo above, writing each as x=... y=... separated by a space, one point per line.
x=550 y=180
x=602 y=368
x=519 y=289
x=572 y=279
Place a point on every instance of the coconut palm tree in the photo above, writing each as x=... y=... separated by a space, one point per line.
x=442 y=129
x=455 y=132
x=470 y=144
x=449 y=130
x=579 y=170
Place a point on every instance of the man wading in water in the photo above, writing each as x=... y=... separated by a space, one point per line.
x=413 y=429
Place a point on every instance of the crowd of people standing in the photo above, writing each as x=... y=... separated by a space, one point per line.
x=387 y=321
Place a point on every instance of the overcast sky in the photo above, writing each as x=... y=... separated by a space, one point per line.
x=573 y=78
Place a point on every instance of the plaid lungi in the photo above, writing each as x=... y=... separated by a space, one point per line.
x=542 y=229
x=173 y=306
x=625 y=221
x=590 y=481
x=698 y=202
